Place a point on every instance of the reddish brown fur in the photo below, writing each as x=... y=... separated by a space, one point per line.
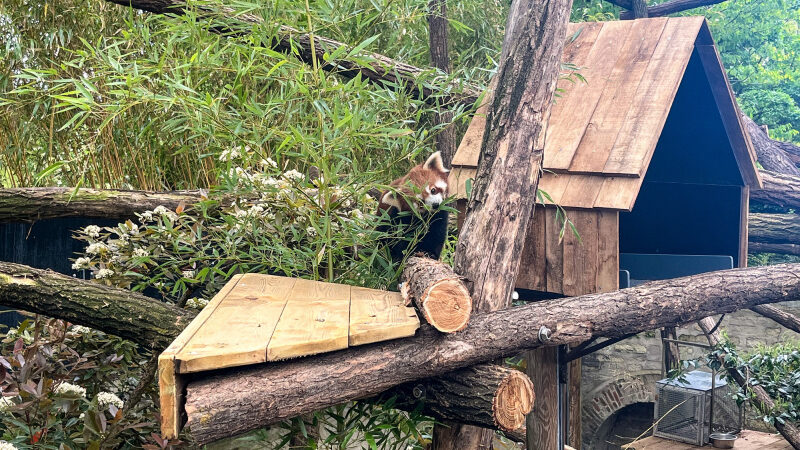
x=422 y=176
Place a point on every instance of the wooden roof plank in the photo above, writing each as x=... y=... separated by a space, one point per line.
x=637 y=138
x=739 y=139
x=618 y=193
x=378 y=316
x=252 y=310
x=580 y=99
x=582 y=190
x=618 y=96
x=316 y=320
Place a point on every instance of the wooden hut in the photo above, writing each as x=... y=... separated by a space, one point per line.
x=647 y=157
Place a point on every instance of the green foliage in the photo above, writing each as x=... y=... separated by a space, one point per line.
x=759 y=41
x=776 y=369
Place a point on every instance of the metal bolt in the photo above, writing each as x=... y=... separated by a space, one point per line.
x=544 y=334
x=418 y=391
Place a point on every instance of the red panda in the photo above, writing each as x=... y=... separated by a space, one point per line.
x=426 y=184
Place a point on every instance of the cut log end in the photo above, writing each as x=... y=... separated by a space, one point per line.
x=513 y=401
x=447 y=305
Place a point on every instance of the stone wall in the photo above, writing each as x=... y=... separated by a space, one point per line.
x=625 y=373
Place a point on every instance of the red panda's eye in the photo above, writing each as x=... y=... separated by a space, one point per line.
x=433 y=191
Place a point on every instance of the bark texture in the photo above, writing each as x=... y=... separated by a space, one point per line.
x=639 y=8
x=438 y=293
x=774 y=228
x=763 y=401
x=761 y=247
x=116 y=311
x=487 y=395
x=234 y=401
x=784 y=318
x=438 y=34
x=769 y=155
x=381 y=70
x=779 y=190
x=662 y=9
x=497 y=216
x=31 y=204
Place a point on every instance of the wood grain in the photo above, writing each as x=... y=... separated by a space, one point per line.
x=378 y=316
x=238 y=331
x=315 y=320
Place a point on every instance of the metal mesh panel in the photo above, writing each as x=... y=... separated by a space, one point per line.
x=727 y=414
x=677 y=414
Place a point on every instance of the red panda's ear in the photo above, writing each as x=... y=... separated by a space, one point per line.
x=435 y=162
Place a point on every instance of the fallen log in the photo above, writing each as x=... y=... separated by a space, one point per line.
x=235 y=401
x=762 y=400
x=129 y=315
x=487 y=395
x=784 y=318
x=762 y=247
x=31 y=204
x=438 y=293
x=770 y=156
x=378 y=69
x=774 y=228
x=779 y=189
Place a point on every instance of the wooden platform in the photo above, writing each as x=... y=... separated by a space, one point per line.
x=258 y=318
x=748 y=440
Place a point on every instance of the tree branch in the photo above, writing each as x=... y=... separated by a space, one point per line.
x=662 y=9
x=784 y=318
x=276 y=391
x=381 y=70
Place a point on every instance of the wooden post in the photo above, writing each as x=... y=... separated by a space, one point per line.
x=438 y=34
x=639 y=9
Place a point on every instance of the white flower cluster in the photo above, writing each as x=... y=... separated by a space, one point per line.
x=6 y=403
x=80 y=329
x=81 y=263
x=93 y=231
x=140 y=253
x=7 y=446
x=230 y=154
x=196 y=303
x=188 y=274
x=104 y=273
x=104 y=399
x=97 y=248
x=69 y=390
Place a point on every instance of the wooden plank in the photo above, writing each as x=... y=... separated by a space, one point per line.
x=554 y=184
x=618 y=193
x=744 y=214
x=638 y=136
x=378 y=316
x=171 y=385
x=738 y=137
x=579 y=100
x=607 y=251
x=748 y=440
x=582 y=191
x=252 y=309
x=542 y=422
x=580 y=254
x=617 y=95
x=457 y=180
x=533 y=269
x=315 y=320
x=554 y=253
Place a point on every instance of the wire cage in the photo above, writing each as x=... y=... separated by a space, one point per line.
x=692 y=407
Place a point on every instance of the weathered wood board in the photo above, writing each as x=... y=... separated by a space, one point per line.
x=259 y=318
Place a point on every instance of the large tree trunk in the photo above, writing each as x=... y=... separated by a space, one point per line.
x=493 y=234
x=770 y=156
x=779 y=189
x=238 y=400
x=784 y=318
x=380 y=69
x=774 y=228
x=438 y=34
x=761 y=247
x=661 y=9
x=487 y=395
x=116 y=311
x=438 y=293
x=762 y=401
x=31 y=204
x=639 y=9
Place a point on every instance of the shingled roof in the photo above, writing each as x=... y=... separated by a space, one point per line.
x=603 y=133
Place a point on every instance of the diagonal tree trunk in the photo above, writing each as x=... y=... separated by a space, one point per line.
x=233 y=401
x=508 y=170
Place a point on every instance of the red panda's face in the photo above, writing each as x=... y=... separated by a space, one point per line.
x=430 y=184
